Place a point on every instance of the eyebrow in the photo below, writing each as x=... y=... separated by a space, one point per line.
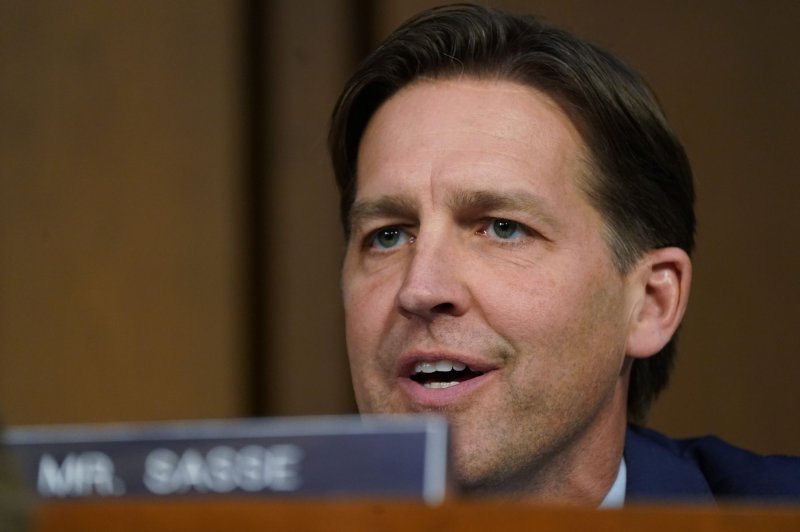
x=517 y=200
x=381 y=207
x=459 y=201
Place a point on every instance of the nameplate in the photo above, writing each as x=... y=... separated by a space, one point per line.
x=336 y=456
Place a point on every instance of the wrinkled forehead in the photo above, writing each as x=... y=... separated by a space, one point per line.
x=485 y=126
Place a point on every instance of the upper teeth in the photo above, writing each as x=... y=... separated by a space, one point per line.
x=439 y=365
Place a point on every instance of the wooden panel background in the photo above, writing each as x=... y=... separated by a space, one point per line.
x=309 y=50
x=119 y=210
x=135 y=285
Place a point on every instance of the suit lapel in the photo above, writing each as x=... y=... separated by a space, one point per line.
x=658 y=472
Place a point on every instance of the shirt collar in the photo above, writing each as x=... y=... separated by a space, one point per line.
x=615 y=498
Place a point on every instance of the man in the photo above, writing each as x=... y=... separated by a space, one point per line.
x=519 y=222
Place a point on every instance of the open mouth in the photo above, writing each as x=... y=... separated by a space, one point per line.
x=442 y=374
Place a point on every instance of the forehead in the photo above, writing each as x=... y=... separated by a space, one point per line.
x=466 y=129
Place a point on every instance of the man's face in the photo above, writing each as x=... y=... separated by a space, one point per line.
x=474 y=252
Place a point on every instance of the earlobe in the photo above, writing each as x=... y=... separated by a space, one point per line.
x=663 y=279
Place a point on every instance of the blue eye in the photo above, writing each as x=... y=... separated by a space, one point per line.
x=388 y=237
x=504 y=229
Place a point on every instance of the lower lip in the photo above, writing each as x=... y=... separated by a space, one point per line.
x=442 y=397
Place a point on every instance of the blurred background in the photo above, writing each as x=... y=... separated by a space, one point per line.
x=169 y=240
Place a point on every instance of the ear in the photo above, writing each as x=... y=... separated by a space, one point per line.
x=660 y=281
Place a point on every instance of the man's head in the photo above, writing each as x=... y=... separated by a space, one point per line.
x=514 y=200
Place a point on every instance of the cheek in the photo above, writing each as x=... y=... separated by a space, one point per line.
x=360 y=331
x=360 y=338
x=368 y=303
x=368 y=307
x=525 y=304
x=568 y=308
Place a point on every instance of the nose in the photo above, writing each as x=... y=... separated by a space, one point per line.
x=434 y=283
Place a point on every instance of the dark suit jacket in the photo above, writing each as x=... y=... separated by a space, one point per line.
x=704 y=470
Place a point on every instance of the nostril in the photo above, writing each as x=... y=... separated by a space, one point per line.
x=443 y=308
